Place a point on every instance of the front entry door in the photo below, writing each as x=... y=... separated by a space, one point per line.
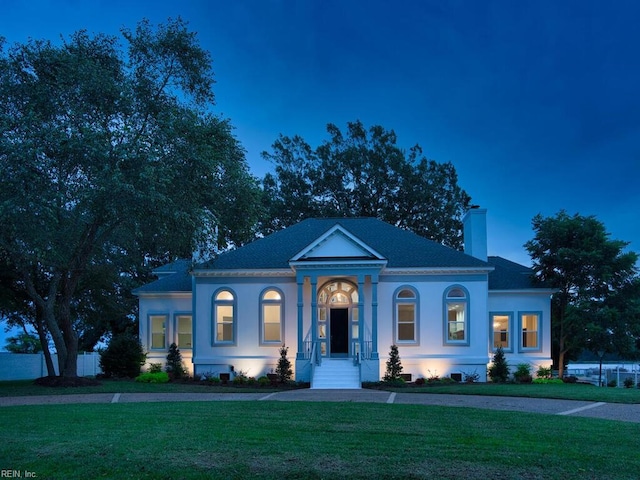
x=339 y=330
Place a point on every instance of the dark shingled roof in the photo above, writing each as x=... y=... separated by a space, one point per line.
x=508 y=275
x=401 y=248
x=174 y=277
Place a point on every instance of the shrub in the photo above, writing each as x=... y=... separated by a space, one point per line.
x=263 y=381
x=419 y=381
x=628 y=382
x=394 y=366
x=157 y=377
x=612 y=383
x=548 y=381
x=543 y=372
x=447 y=380
x=499 y=369
x=471 y=377
x=570 y=379
x=523 y=373
x=174 y=362
x=155 y=368
x=433 y=377
x=123 y=357
x=397 y=382
x=283 y=369
x=239 y=379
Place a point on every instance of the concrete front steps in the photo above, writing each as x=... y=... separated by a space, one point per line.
x=336 y=374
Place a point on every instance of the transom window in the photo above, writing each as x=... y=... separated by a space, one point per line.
x=405 y=309
x=271 y=317
x=224 y=313
x=456 y=304
x=340 y=294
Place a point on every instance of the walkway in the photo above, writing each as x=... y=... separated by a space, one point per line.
x=609 y=411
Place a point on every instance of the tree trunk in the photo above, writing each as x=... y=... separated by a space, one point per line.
x=44 y=342
x=561 y=363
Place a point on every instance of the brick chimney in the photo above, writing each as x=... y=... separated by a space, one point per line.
x=474 y=231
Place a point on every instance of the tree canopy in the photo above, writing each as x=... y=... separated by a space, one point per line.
x=110 y=159
x=363 y=172
x=597 y=285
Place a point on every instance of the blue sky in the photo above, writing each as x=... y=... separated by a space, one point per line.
x=535 y=102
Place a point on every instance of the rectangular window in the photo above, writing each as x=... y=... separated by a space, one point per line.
x=501 y=333
x=456 y=321
x=406 y=322
x=184 y=330
x=224 y=327
x=158 y=331
x=530 y=326
x=271 y=318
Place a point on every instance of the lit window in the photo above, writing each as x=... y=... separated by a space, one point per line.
x=271 y=311
x=501 y=325
x=530 y=331
x=456 y=318
x=405 y=311
x=184 y=331
x=158 y=331
x=224 y=317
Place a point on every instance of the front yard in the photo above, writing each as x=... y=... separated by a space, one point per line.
x=281 y=440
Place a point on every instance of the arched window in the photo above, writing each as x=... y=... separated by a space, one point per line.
x=224 y=317
x=405 y=311
x=271 y=317
x=456 y=316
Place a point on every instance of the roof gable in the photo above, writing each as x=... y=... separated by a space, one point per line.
x=337 y=243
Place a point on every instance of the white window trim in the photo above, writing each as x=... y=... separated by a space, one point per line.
x=214 y=323
x=166 y=331
x=510 y=333
x=537 y=348
x=416 y=315
x=445 y=316
x=263 y=302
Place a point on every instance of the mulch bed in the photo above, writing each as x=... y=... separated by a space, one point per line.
x=65 y=382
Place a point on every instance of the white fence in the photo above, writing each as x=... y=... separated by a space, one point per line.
x=590 y=372
x=29 y=366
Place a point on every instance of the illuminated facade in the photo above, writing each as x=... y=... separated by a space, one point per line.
x=339 y=293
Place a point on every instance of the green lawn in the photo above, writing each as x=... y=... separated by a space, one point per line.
x=279 y=440
x=565 y=391
x=26 y=387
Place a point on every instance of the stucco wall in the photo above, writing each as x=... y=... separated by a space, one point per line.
x=520 y=302
x=170 y=305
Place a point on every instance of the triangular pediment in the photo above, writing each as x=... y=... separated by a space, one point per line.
x=337 y=243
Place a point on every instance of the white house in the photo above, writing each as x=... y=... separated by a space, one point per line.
x=339 y=292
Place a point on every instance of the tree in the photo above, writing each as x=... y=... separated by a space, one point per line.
x=499 y=368
x=575 y=255
x=109 y=160
x=123 y=356
x=283 y=369
x=23 y=343
x=363 y=173
x=394 y=365
x=174 y=365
